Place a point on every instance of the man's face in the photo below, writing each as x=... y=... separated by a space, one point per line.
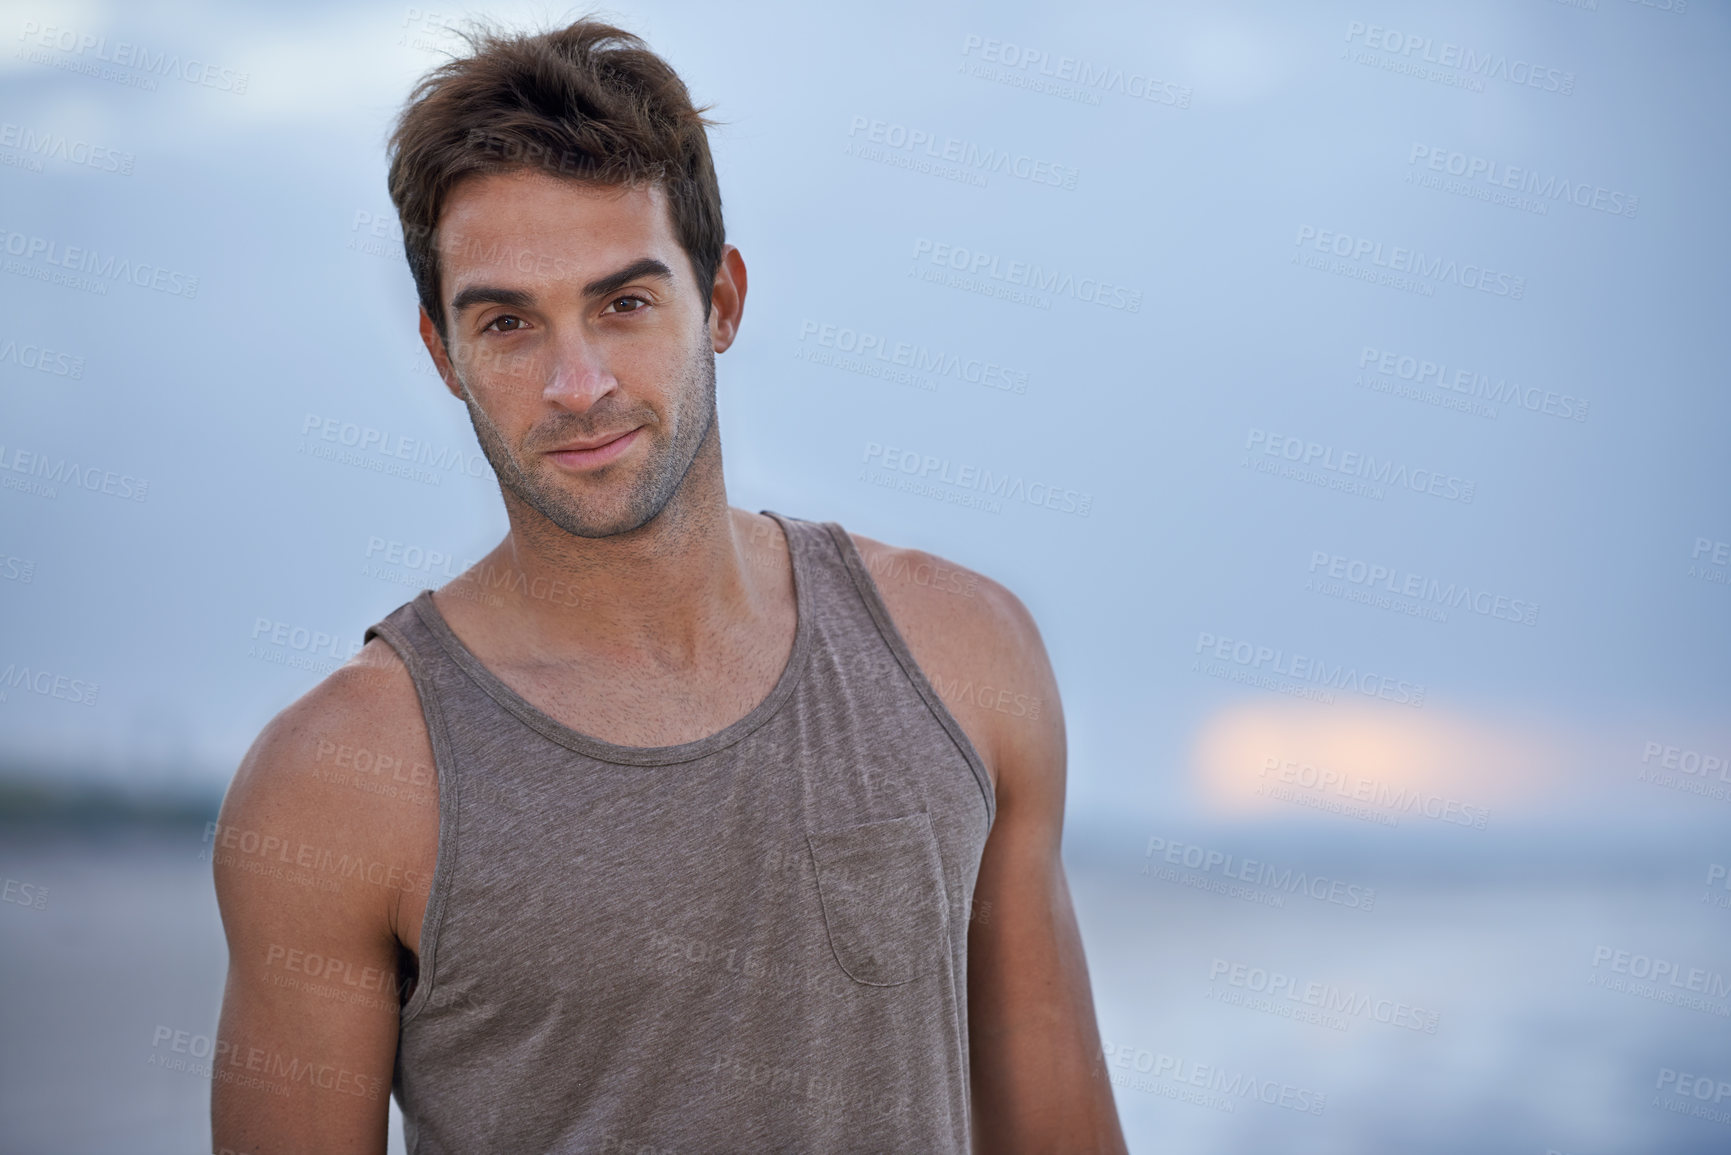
x=576 y=336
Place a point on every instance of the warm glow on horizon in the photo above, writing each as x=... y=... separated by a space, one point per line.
x=1289 y=757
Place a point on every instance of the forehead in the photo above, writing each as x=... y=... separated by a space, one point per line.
x=525 y=226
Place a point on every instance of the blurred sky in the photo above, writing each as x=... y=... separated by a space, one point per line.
x=1263 y=131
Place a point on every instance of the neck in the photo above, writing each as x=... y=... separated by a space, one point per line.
x=670 y=588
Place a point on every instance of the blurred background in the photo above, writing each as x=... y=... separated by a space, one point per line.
x=1352 y=378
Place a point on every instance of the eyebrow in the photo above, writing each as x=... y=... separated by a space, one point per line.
x=518 y=299
x=490 y=295
x=636 y=270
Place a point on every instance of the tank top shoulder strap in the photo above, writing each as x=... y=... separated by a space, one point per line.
x=415 y=642
x=852 y=613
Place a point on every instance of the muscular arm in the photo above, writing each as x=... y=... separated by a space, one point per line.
x=1039 y=1084
x=311 y=877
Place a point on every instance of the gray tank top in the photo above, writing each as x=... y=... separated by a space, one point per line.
x=754 y=941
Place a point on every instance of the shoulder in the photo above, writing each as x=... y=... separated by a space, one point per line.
x=963 y=607
x=981 y=649
x=346 y=769
x=370 y=698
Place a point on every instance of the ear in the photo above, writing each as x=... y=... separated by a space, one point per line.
x=441 y=359
x=727 y=299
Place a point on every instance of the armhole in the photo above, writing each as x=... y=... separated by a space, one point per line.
x=444 y=860
x=880 y=614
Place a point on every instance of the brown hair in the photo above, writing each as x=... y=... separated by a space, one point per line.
x=590 y=102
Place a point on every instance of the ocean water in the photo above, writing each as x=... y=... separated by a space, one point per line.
x=1473 y=1001
x=128 y=944
x=1486 y=1001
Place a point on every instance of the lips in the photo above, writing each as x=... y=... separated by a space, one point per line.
x=594 y=451
x=592 y=444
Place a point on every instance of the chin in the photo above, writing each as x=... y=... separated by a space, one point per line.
x=596 y=518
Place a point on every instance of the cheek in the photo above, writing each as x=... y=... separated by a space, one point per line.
x=501 y=367
x=658 y=374
x=509 y=404
x=649 y=361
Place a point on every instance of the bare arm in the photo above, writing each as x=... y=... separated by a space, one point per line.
x=1039 y=1080
x=311 y=877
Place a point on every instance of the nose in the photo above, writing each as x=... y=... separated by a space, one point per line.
x=580 y=375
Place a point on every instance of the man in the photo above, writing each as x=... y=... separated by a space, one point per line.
x=668 y=827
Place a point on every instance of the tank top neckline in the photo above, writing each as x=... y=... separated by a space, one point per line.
x=603 y=751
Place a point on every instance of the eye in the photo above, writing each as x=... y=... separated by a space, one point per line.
x=632 y=303
x=504 y=323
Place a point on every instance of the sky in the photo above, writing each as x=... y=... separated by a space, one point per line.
x=1350 y=377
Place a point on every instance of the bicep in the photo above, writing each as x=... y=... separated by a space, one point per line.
x=1037 y=1077
x=1025 y=955
x=1025 y=968
x=307 y=1037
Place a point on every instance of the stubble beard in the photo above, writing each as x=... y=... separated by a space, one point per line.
x=657 y=481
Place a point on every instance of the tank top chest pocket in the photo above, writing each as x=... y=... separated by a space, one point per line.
x=881 y=885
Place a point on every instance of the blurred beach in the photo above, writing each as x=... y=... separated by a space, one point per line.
x=1469 y=1013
